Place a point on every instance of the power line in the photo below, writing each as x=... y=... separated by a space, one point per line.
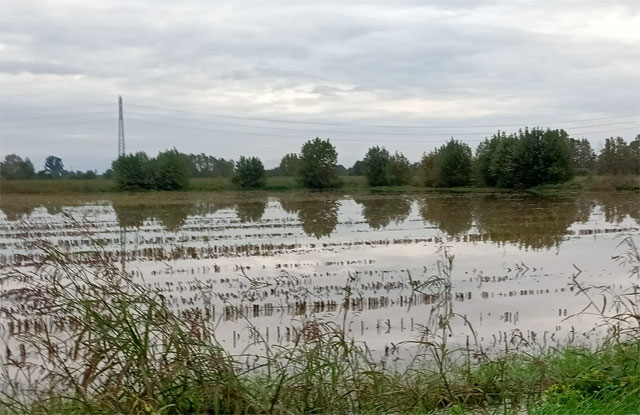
x=39 y=117
x=379 y=125
x=54 y=108
x=343 y=139
x=342 y=132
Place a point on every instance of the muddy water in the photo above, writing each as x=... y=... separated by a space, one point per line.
x=260 y=266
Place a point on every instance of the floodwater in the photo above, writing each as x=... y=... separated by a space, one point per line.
x=262 y=265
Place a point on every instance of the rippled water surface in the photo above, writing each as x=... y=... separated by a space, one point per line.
x=273 y=262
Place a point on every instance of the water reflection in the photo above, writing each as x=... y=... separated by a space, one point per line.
x=532 y=222
x=451 y=214
x=252 y=210
x=172 y=216
x=616 y=206
x=529 y=222
x=380 y=210
x=318 y=217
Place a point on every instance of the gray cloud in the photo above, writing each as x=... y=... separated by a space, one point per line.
x=454 y=63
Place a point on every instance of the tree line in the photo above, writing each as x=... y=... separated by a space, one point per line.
x=524 y=159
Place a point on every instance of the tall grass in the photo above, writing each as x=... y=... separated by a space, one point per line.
x=100 y=342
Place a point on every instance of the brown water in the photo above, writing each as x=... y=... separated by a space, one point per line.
x=514 y=256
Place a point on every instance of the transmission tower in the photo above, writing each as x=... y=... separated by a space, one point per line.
x=120 y=127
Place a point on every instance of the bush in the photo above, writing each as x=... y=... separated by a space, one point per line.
x=249 y=173
x=318 y=165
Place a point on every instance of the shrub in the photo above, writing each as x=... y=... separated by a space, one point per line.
x=249 y=173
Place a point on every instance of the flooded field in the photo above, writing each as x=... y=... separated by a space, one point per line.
x=261 y=266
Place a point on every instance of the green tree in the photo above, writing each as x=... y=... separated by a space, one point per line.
x=583 y=159
x=454 y=165
x=376 y=166
x=133 y=172
x=483 y=174
x=289 y=165
x=14 y=167
x=357 y=169
x=634 y=156
x=53 y=167
x=170 y=171
x=504 y=168
x=249 y=173
x=428 y=170
x=399 y=170
x=542 y=157
x=318 y=162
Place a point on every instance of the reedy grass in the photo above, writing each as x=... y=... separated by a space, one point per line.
x=116 y=347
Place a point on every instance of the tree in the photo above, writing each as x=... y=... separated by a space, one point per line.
x=289 y=165
x=542 y=156
x=170 y=171
x=318 y=161
x=249 y=173
x=53 y=166
x=376 y=166
x=14 y=167
x=454 y=165
x=583 y=159
x=357 y=169
x=133 y=172
x=399 y=170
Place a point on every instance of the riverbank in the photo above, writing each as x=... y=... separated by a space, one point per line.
x=277 y=184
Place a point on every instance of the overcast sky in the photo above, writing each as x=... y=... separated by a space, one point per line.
x=363 y=70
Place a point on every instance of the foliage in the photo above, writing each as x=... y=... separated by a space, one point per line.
x=289 y=165
x=527 y=159
x=15 y=168
x=376 y=166
x=400 y=171
x=382 y=169
x=617 y=157
x=53 y=166
x=249 y=173
x=133 y=172
x=357 y=169
x=447 y=166
x=202 y=165
x=583 y=158
x=318 y=165
x=170 y=171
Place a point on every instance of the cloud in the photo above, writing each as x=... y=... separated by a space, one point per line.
x=455 y=63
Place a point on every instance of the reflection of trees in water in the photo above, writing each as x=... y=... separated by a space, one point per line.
x=451 y=214
x=319 y=217
x=172 y=216
x=528 y=221
x=380 y=211
x=251 y=211
x=616 y=206
x=17 y=212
